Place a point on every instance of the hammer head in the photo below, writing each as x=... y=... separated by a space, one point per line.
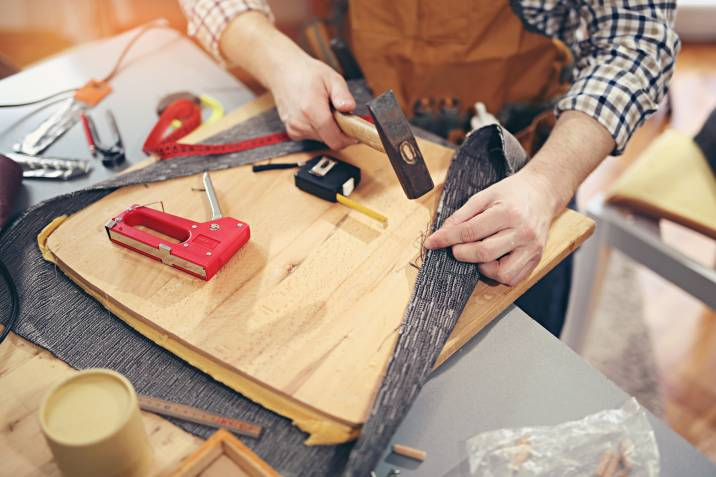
x=400 y=145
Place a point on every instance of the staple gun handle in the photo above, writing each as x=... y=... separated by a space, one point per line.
x=173 y=226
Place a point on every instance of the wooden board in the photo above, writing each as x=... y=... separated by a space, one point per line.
x=304 y=319
x=307 y=309
x=26 y=374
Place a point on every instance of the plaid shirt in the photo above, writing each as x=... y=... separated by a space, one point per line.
x=624 y=50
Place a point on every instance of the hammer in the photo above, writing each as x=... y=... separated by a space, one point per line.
x=391 y=135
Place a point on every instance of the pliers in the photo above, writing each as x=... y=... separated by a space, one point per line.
x=111 y=155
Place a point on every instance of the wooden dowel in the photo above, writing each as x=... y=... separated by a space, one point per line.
x=410 y=452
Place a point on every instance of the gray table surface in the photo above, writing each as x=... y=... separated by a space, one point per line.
x=512 y=374
x=515 y=374
x=161 y=62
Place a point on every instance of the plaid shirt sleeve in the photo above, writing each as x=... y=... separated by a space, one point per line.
x=624 y=52
x=208 y=19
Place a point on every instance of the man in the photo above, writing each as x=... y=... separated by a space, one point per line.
x=498 y=52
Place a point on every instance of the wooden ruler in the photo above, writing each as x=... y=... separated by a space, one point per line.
x=198 y=416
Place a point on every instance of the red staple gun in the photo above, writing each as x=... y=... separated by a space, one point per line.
x=203 y=248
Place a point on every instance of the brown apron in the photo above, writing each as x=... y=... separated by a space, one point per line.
x=473 y=50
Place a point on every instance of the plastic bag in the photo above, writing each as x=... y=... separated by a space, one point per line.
x=611 y=443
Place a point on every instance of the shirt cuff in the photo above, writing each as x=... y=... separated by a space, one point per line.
x=209 y=18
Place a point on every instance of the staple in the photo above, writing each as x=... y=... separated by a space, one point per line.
x=161 y=203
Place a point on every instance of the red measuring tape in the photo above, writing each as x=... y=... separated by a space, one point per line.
x=164 y=144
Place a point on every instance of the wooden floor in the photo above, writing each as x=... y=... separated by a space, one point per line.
x=683 y=330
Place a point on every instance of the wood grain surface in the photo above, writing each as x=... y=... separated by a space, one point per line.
x=304 y=318
x=310 y=307
x=26 y=374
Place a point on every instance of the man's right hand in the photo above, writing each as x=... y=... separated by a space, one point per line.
x=304 y=92
x=305 y=89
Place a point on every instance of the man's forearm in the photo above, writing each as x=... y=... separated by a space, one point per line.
x=305 y=89
x=576 y=146
x=252 y=42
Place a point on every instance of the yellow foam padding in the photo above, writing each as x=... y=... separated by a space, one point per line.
x=672 y=180
x=322 y=429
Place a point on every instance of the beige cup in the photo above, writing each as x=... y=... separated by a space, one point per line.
x=93 y=426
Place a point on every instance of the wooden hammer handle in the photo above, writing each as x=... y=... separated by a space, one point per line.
x=360 y=129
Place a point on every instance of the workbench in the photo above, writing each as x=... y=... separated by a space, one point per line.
x=512 y=374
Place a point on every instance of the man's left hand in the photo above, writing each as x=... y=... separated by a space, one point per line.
x=503 y=228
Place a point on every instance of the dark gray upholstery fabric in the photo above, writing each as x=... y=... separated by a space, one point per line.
x=57 y=315
x=441 y=291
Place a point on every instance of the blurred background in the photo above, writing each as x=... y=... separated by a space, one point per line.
x=31 y=30
x=674 y=372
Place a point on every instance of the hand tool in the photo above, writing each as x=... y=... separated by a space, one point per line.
x=424 y=114
x=453 y=122
x=198 y=416
x=275 y=166
x=58 y=123
x=393 y=136
x=10 y=181
x=162 y=139
x=333 y=180
x=39 y=167
x=111 y=155
x=203 y=248
x=85 y=97
x=203 y=100
x=349 y=66
x=50 y=129
x=318 y=39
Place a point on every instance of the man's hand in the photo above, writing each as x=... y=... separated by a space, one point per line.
x=503 y=228
x=304 y=88
x=304 y=94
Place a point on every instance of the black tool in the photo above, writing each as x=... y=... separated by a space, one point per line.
x=275 y=166
x=392 y=135
x=334 y=180
x=111 y=155
x=325 y=176
x=346 y=60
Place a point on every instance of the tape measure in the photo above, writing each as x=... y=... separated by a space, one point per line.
x=163 y=138
x=197 y=416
